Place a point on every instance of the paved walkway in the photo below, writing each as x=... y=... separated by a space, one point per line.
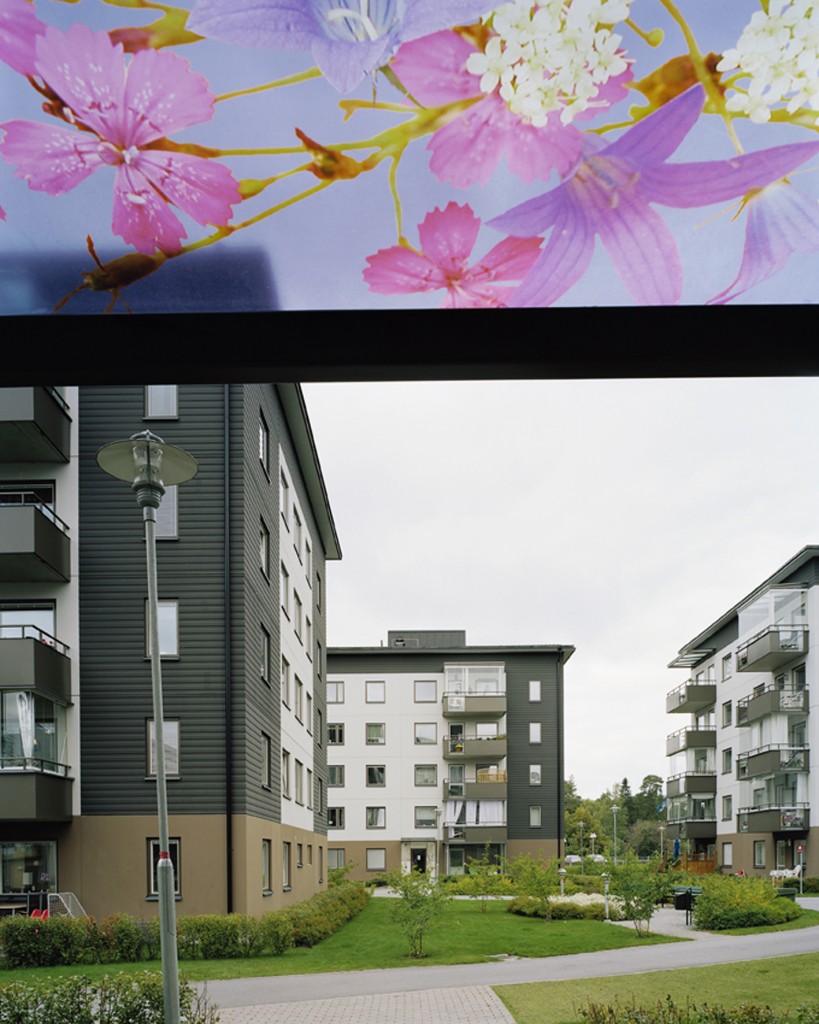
x=461 y=994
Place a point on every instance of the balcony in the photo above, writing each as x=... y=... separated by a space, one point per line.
x=771 y=701
x=34 y=545
x=793 y=818
x=691 y=697
x=486 y=786
x=34 y=425
x=31 y=659
x=773 y=758
x=478 y=835
x=685 y=739
x=465 y=748
x=33 y=790
x=771 y=648
x=478 y=705
x=692 y=828
x=704 y=783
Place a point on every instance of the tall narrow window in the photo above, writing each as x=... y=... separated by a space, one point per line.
x=286 y=774
x=166 y=515
x=264 y=444
x=267 y=857
x=298 y=535
x=335 y=692
x=264 y=548
x=299 y=782
x=299 y=709
x=264 y=653
x=309 y=788
x=168 y=624
x=534 y=816
x=285 y=681
x=308 y=712
x=287 y=866
x=266 y=747
x=284 y=587
x=534 y=732
x=284 y=499
x=161 y=401
x=174 y=849
x=298 y=617
x=335 y=817
x=170 y=741
x=335 y=775
x=335 y=733
x=535 y=774
x=308 y=562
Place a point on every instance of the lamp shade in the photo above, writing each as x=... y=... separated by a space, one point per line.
x=146 y=460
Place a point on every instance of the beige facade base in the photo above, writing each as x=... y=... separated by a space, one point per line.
x=540 y=849
x=104 y=861
x=743 y=853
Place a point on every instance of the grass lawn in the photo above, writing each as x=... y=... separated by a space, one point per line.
x=463 y=935
x=782 y=983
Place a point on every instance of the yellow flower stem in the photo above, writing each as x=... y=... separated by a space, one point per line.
x=348 y=106
x=273 y=151
x=803 y=117
x=303 y=76
x=647 y=37
x=697 y=59
x=396 y=198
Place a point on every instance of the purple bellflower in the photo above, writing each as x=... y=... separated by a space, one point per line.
x=348 y=38
x=609 y=192
x=781 y=221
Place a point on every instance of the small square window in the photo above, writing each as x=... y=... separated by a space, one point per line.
x=727 y=715
x=426 y=732
x=376 y=775
x=161 y=401
x=425 y=817
x=170 y=743
x=375 y=692
x=426 y=691
x=534 y=815
x=534 y=691
x=426 y=775
x=174 y=851
x=376 y=859
x=335 y=775
x=376 y=817
x=335 y=693
x=168 y=625
x=535 y=774
x=534 y=732
x=335 y=734
x=376 y=733
x=335 y=817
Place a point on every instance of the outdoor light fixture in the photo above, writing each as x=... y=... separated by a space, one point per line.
x=562 y=873
x=592 y=837
x=606 y=893
x=614 y=810
x=150 y=466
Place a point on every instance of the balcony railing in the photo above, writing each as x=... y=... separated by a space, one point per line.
x=770 y=701
x=772 y=758
x=33 y=790
x=491 y=703
x=34 y=544
x=460 y=748
x=31 y=659
x=33 y=764
x=34 y=425
x=692 y=782
x=692 y=736
x=772 y=647
x=691 y=696
x=793 y=817
x=487 y=785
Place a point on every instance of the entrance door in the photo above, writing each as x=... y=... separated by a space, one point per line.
x=418 y=859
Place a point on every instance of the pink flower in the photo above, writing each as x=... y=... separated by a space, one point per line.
x=781 y=221
x=123 y=112
x=469 y=148
x=447 y=238
x=19 y=29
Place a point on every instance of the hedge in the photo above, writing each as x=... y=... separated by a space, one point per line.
x=668 y=1012
x=730 y=902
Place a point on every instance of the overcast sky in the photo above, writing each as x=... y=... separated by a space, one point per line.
x=621 y=517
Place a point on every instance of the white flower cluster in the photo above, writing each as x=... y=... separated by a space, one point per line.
x=551 y=54
x=617 y=907
x=779 y=51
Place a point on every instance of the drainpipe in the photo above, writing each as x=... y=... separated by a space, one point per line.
x=228 y=664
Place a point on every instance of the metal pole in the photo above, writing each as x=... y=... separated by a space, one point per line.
x=164 y=872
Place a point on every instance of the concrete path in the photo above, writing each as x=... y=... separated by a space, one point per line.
x=461 y=994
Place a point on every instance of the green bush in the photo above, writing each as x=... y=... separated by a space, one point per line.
x=669 y=1013
x=729 y=902
x=123 y=939
x=32 y=942
x=277 y=932
x=529 y=906
x=321 y=915
x=810 y=886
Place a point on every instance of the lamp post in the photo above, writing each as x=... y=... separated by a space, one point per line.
x=662 y=841
x=562 y=875
x=150 y=466
x=614 y=810
x=592 y=837
x=580 y=826
x=606 y=893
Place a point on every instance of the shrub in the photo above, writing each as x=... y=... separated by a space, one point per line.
x=810 y=885
x=321 y=915
x=420 y=902
x=586 y=907
x=529 y=906
x=32 y=942
x=277 y=932
x=729 y=902
x=641 y=889
x=668 y=1012
x=123 y=938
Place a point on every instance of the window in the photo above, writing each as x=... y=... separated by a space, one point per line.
x=264 y=444
x=534 y=732
x=170 y=744
x=426 y=732
x=376 y=775
x=166 y=517
x=168 y=626
x=267 y=858
x=161 y=401
x=309 y=789
x=727 y=855
x=726 y=667
x=264 y=548
x=299 y=855
x=534 y=816
x=535 y=774
x=727 y=715
x=727 y=760
x=298 y=617
x=284 y=587
x=336 y=858
x=17 y=860
x=426 y=691
x=335 y=693
x=285 y=681
x=534 y=691
x=335 y=775
x=376 y=732
x=308 y=714
x=425 y=817
x=335 y=817
x=319 y=795
x=308 y=562
x=727 y=808
x=376 y=859
x=375 y=692
x=153 y=861
x=297 y=532
x=286 y=774
x=299 y=783
x=308 y=636
x=376 y=817
x=319 y=727
x=426 y=775
x=299 y=699
x=319 y=662
x=309 y=853
x=759 y=853
x=335 y=734
x=264 y=653
x=318 y=590
x=284 y=499
x=287 y=866
x=486 y=730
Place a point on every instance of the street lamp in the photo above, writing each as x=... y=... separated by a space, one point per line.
x=562 y=874
x=592 y=837
x=614 y=810
x=662 y=843
x=151 y=466
x=606 y=893
x=580 y=825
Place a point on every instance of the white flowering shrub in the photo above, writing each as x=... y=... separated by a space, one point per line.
x=586 y=905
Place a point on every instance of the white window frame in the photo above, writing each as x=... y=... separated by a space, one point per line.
x=161 y=402
x=419 y=686
x=175 y=851
x=535 y=733
x=376 y=817
x=264 y=444
x=534 y=691
x=167 y=515
x=535 y=774
x=535 y=816
x=335 y=692
x=165 y=650
x=376 y=858
x=171 y=739
x=728 y=855
x=374 y=687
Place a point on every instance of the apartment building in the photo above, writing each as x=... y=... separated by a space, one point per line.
x=241 y=564
x=740 y=789
x=436 y=749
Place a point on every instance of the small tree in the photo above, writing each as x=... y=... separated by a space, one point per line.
x=641 y=888
x=482 y=878
x=421 y=900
